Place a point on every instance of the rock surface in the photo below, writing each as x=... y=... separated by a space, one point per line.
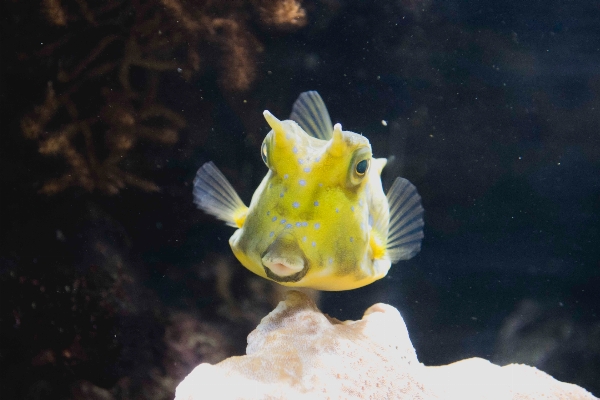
x=298 y=353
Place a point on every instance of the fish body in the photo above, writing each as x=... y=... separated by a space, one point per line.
x=319 y=218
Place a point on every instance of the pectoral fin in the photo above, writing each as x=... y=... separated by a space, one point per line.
x=214 y=194
x=405 y=227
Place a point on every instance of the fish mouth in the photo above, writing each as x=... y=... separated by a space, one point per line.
x=281 y=270
x=284 y=261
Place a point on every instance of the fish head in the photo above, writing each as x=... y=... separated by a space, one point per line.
x=308 y=221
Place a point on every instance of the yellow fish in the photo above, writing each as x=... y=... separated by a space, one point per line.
x=319 y=218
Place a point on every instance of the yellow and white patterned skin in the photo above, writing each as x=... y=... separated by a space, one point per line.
x=319 y=218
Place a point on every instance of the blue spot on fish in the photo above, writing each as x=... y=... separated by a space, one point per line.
x=286 y=176
x=306 y=169
x=317 y=225
x=300 y=161
x=305 y=224
x=351 y=239
x=316 y=203
x=288 y=226
x=352 y=208
x=337 y=210
x=302 y=182
x=314 y=244
x=295 y=204
x=295 y=150
x=330 y=260
x=281 y=194
x=268 y=212
x=304 y=238
x=298 y=224
x=282 y=221
x=274 y=219
x=271 y=234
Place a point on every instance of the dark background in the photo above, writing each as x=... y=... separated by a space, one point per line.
x=492 y=110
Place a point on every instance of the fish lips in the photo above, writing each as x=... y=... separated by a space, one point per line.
x=284 y=260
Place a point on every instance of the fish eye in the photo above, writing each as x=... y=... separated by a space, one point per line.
x=263 y=153
x=362 y=167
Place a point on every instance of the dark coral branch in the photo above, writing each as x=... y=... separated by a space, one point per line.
x=282 y=13
x=63 y=76
x=94 y=136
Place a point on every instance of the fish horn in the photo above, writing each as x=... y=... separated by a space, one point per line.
x=277 y=126
x=378 y=164
x=337 y=144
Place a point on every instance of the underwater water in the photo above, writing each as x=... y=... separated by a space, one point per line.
x=113 y=283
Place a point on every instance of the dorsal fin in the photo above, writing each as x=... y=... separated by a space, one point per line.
x=310 y=113
x=405 y=228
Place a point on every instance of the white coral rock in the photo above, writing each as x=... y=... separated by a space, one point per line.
x=298 y=353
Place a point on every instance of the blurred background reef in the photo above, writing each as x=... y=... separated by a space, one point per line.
x=113 y=286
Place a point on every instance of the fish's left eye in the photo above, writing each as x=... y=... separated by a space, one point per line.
x=362 y=167
x=263 y=153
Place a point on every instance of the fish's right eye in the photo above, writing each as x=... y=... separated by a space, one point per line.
x=263 y=153
x=362 y=167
